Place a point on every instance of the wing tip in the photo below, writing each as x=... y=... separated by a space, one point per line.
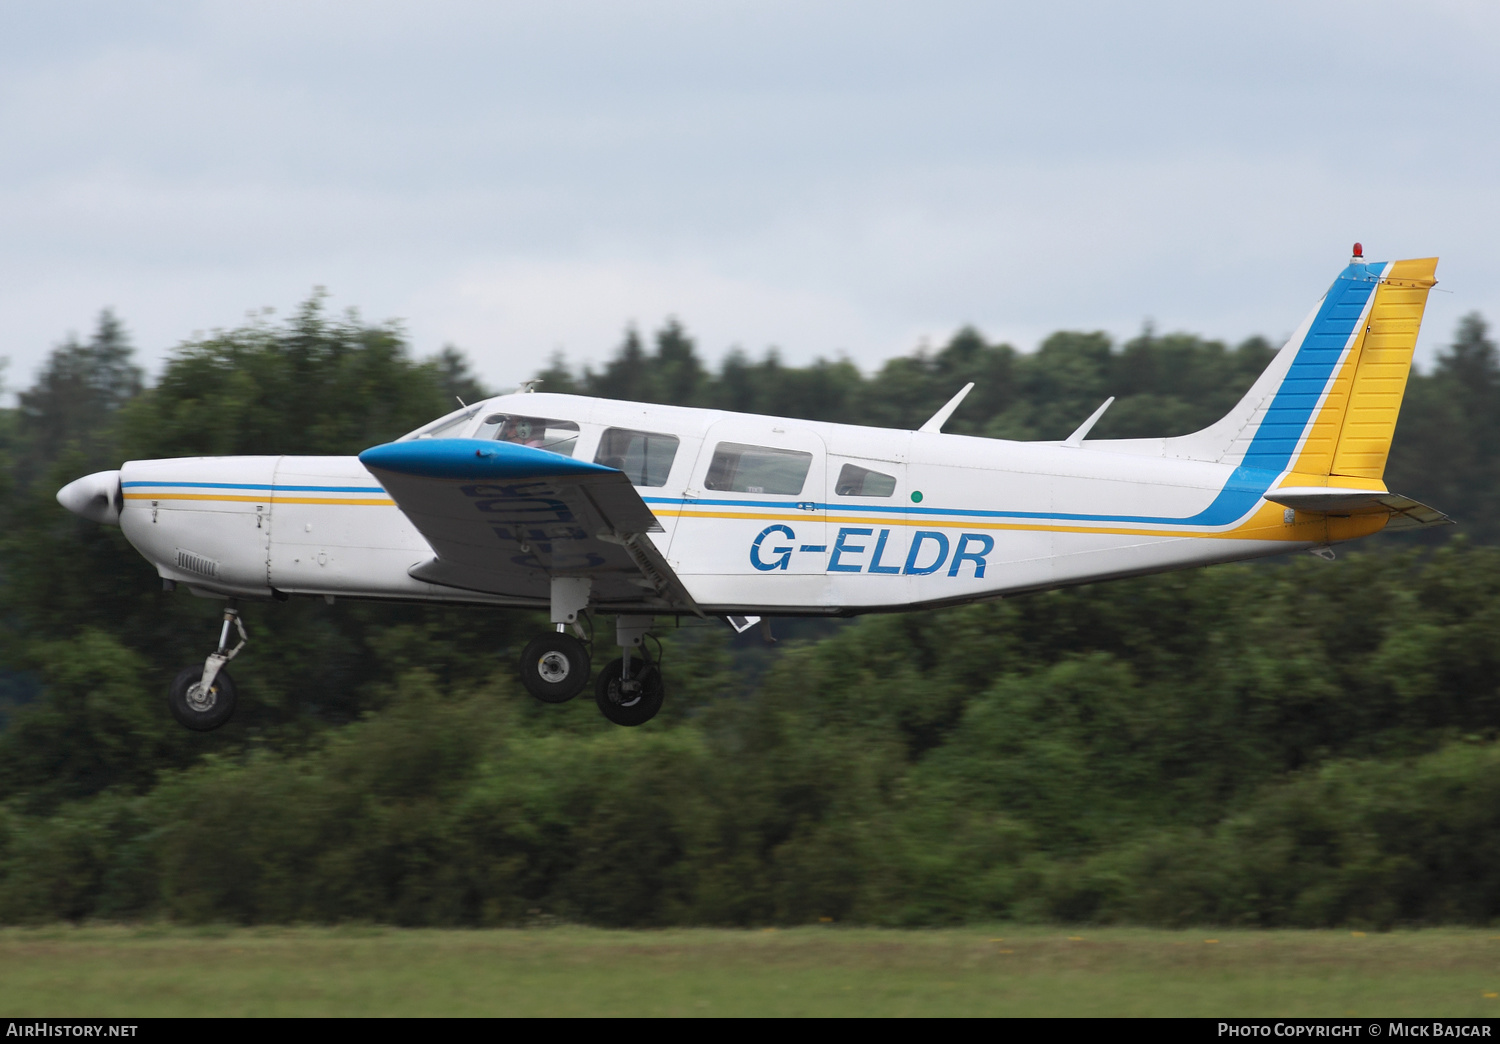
x=473 y=458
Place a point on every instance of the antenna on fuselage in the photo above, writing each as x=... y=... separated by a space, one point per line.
x=527 y=387
x=1076 y=439
x=937 y=420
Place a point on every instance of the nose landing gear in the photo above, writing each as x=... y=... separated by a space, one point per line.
x=202 y=698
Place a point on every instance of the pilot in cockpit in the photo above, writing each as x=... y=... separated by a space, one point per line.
x=524 y=431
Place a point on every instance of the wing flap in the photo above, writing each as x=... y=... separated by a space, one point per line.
x=505 y=518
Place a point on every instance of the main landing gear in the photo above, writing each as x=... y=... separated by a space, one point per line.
x=202 y=698
x=555 y=666
x=629 y=690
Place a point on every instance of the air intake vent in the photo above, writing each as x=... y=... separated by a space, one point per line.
x=196 y=563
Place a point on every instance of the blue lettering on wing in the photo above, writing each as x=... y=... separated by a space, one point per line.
x=484 y=490
x=784 y=554
x=578 y=560
x=532 y=536
x=524 y=508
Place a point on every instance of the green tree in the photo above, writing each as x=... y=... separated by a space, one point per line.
x=73 y=405
x=311 y=385
x=1445 y=451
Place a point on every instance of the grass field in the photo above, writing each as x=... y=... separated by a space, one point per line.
x=151 y=970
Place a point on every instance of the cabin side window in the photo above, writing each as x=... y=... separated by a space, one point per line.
x=737 y=468
x=555 y=436
x=855 y=481
x=645 y=456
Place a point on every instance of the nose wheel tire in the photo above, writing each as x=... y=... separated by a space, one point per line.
x=634 y=701
x=555 y=667
x=198 y=710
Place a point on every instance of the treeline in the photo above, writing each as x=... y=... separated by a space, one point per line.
x=1314 y=745
x=1310 y=743
x=1164 y=385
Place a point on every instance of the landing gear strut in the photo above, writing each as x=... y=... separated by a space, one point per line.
x=629 y=690
x=555 y=666
x=202 y=698
x=629 y=693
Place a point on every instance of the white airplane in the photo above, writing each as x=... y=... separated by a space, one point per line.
x=583 y=506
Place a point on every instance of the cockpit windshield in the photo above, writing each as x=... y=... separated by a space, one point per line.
x=449 y=427
x=548 y=433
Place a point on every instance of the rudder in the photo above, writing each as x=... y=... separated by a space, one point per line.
x=1381 y=369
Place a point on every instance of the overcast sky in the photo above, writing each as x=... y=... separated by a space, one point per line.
x=829 y=178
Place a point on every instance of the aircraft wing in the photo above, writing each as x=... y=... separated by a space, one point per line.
x=505 y=519
x=1405 y=512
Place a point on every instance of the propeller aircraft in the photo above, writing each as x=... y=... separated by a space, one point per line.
x=583 y=506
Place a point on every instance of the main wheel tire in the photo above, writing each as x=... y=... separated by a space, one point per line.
x=633 y=702
x=193 y=709
x=555 y=667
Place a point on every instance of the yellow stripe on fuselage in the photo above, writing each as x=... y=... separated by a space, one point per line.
x=1267 y=523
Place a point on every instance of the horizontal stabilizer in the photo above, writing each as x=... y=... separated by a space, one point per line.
x=1405 y=512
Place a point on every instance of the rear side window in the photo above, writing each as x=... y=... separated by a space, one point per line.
x=557 y=436
x=855 y=481
x=645 y=456
x=757 y=469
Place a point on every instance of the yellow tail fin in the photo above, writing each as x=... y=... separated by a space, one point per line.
x=1381 y=368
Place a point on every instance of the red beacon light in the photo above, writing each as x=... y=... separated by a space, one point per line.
x=1359 y=252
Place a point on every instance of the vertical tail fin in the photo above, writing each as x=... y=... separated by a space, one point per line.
x=1326 y=407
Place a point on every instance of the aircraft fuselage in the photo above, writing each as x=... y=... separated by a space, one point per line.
x=879 y=519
